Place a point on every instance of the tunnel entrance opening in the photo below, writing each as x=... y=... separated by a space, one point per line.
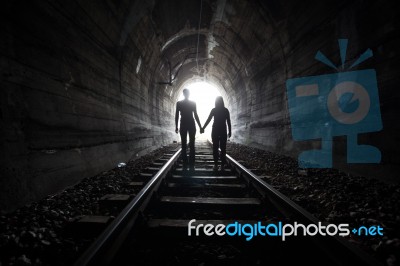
x=204 y=94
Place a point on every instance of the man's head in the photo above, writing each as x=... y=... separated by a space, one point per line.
x=186 y=93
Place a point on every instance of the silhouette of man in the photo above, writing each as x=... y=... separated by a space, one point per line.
x=187 y=108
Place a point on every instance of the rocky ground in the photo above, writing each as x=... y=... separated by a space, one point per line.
x=335 y=197
x=37 y=234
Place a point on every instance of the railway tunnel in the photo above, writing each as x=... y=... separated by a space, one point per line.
x=86 y=85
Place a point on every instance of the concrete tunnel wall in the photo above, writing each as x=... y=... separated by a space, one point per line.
x=79 y=89
x=74 y=100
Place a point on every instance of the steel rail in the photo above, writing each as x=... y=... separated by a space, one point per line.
x=103 y=249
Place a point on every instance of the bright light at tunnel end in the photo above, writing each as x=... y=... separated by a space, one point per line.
x=204 y=95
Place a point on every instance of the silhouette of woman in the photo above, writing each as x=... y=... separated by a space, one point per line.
x=218 y=135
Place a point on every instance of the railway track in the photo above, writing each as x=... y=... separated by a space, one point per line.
x=153 y=228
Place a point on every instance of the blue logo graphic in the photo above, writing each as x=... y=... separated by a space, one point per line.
x=339 y=104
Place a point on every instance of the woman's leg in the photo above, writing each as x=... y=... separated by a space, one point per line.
x=223 y=138
x=215 y=140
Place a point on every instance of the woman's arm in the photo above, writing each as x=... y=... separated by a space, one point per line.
x=209 y=119
x=228 y=120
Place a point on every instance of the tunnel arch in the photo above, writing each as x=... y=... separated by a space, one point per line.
x=70 y=83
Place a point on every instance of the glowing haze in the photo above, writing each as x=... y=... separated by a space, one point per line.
x=204 y=95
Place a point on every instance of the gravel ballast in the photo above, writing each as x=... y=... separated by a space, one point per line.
x=40 y=233
x=334 y=197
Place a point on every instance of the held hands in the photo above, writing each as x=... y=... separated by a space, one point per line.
x=201 y=130
x=176 y=130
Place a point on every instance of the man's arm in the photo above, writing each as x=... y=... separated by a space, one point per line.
x=176 y=118
x=228 y=120
x=196 y=116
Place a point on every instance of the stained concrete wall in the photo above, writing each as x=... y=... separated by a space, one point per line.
x=284 y=41
x=74 y=101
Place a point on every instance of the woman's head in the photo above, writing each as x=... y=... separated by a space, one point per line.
x=219 y=102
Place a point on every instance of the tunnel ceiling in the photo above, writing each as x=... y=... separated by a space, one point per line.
x=221 y=50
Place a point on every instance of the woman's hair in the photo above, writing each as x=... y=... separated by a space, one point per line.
x=219 y=102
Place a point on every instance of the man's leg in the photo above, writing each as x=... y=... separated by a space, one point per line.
x=192 y=135
x=183 y=132
x=223 y=139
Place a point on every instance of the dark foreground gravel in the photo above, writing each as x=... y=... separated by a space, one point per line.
x=39 y=233
x=334 y=197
